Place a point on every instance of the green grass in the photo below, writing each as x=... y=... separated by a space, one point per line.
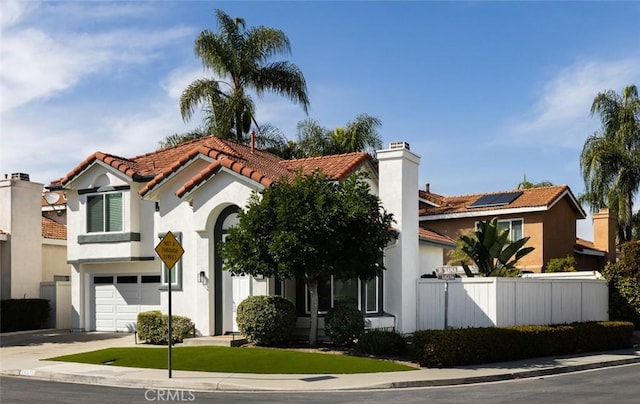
x=234 y=360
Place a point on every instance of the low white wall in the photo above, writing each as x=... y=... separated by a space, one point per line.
x=488 y=302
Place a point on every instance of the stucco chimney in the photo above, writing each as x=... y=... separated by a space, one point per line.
x=398 y=185
x=604 y=233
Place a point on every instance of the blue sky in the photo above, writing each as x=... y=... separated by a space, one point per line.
x=484 y=92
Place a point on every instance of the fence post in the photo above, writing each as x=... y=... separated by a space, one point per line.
x=446 y=305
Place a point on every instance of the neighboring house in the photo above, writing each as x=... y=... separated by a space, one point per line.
x=120 y=208
x=545 y=214
x=32 y=238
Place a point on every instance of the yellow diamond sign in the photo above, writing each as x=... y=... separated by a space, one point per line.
x=169 y=250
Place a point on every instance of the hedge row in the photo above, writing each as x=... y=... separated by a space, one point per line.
x=23 y=314
x=153 y=327
x=468 y=346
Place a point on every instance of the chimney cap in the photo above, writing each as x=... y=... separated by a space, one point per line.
x=399 y=145
x=20 y=176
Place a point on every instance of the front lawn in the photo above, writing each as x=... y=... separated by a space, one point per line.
x=235 y=360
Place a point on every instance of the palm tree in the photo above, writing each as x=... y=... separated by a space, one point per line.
x=240 y=57
x=361 y=134
x=177 y=138
x=526 y=184
x=610 y=158
x=491 y=250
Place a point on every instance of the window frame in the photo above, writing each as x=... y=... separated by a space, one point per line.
x=510 y=221
x=361 y=293
x=105 y=214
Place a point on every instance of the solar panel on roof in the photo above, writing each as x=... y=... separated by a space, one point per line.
x=501 y=199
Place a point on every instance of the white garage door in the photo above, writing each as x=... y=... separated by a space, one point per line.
x=119 y=298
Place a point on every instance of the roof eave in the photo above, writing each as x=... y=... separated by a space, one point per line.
x=480 y=213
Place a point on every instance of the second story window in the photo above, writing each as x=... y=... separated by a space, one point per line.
x=104 y=213
x=514 y=227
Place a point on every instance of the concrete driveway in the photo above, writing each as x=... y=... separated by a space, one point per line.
x=21 y=350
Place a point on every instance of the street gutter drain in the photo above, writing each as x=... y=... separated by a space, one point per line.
x=318 y=378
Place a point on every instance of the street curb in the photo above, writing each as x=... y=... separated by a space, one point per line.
x=525 y=374
x=202 y=385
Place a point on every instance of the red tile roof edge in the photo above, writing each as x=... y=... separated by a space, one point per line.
x=582 y=244
x=215 y=166
x=114 y=161
x=166 y=173
x=432 y=235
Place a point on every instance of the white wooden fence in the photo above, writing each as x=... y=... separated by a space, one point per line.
x=489 y=302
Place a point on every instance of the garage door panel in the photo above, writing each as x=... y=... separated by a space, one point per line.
x=150 y=297
x=105 y=292
x=130 y=296
x=105 y=308
x=116 y=306
x=127 y=309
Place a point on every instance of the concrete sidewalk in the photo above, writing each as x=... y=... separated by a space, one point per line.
x=21 y=354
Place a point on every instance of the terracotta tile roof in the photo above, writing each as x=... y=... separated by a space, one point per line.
x=431 y=235
x=260 y=166
x=582 y=245
x=541 y=197
x=53 y=229
x=337 y=166
x=60 y=202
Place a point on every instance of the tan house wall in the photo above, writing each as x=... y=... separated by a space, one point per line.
x=559 y=223
x=54 y=260
x=560 y=228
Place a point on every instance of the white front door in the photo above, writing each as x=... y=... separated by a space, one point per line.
x=241 y=290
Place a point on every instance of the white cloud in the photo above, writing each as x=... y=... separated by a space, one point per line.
x=46 y=130
x=561 y=115
x=37 y=65
x=179 y=79
x=12 y=11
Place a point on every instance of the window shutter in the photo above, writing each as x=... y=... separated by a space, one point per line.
x=94 y=214
x=113 y=212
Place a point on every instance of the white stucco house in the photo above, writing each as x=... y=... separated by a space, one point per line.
x=33 y=238
x=120 y=208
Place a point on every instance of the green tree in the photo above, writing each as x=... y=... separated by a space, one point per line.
x=492 y=251
x=610 y=158
x=360 y=134
x=241 y=59
x=310 y=228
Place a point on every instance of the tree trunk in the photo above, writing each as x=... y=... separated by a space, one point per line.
x=628 y=225
x=313 y=297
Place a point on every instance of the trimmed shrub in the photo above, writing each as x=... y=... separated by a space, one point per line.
x=567 y=264
x=153 y=327
x=23 y=314
x=266 y=320
x=603 y=336
x=344 y=324
x=380 y=342
x=468 y=346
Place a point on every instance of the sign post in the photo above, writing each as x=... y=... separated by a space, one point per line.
x=170 y=251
